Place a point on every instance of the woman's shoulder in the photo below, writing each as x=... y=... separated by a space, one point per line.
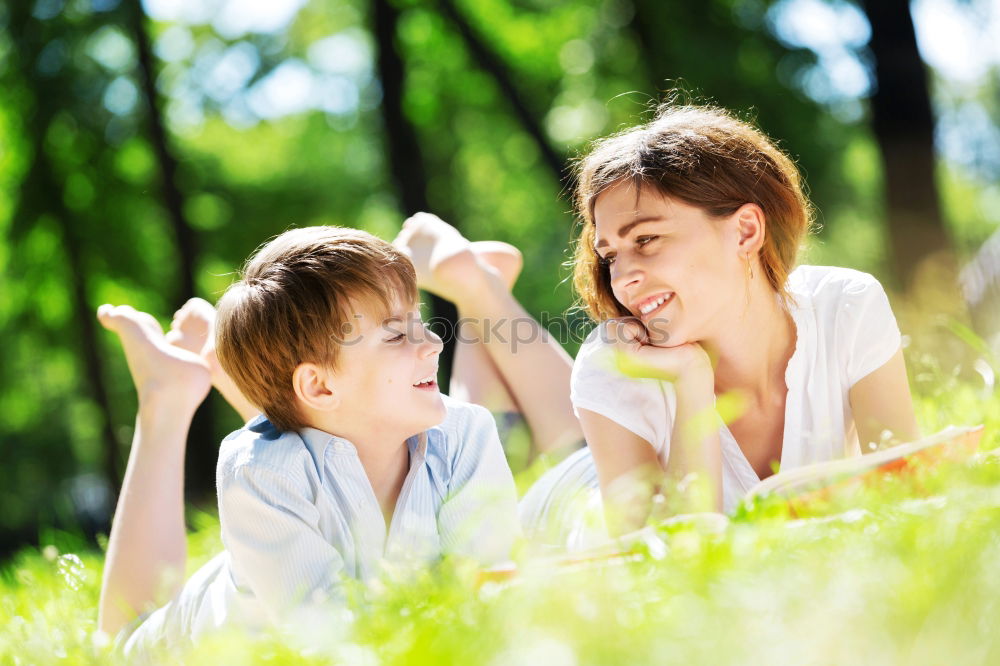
x=835 y=293
x=854 y=309
x=830 y=283
x=643 y=405
x=595 y=342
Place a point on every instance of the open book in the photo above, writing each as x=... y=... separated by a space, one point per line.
x=801 y=486
x=812 y=481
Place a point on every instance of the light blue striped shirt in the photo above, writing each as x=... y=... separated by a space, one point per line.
x=298 y=514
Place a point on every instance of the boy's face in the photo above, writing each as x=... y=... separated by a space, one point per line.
x=383 y=371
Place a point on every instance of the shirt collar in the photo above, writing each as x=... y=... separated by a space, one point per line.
x=418 y=448
x=319 y=441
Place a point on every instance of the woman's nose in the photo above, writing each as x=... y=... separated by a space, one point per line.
x=624 y=275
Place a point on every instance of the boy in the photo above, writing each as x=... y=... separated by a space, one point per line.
x=355 y=459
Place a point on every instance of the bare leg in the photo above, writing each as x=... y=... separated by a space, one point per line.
x=193 y=329
x=474 y=377
x=534 y=367
x=147 y=549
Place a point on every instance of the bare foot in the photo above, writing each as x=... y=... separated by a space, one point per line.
x=504 y=257
x=193 y=326
x=445 y=261
x=160 y=371
x=193 y=329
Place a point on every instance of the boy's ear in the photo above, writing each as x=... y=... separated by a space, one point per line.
x=313 y=386
x=751 y=228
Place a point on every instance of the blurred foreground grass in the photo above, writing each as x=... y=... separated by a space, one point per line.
x=906 y=572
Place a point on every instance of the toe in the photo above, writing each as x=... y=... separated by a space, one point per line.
x=105 y=315
x=403 y=237
x=199 y=306
x=146 y=321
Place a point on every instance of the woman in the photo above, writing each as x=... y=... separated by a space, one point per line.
x=691 y=225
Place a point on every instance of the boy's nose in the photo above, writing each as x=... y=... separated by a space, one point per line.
x=432 y=343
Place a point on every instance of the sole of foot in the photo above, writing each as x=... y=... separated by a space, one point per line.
x=158 y=368
x=503 y=257
x=447 y=264
x=193 y=325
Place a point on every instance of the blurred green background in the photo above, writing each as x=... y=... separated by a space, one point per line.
x=146 y=150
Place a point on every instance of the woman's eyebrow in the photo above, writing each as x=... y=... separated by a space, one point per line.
x=622 y=232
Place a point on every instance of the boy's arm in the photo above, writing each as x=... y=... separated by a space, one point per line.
x=270 y=526
x=479 y=517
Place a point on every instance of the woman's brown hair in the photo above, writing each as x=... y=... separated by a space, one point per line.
x=702 y=156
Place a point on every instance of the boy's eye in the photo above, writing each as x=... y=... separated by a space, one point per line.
x=396 y=338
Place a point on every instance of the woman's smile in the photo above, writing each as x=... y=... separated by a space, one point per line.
x=652 y=305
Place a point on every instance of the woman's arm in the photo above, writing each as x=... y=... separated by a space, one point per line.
x=881 y=402
x=628 y=469
x=630 y=473
x=695 y=448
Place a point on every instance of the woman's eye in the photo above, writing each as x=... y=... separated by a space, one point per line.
x=606 y=260
x=642 y=240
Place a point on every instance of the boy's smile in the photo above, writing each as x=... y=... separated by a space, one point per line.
x=386 y=376
x=427 y=383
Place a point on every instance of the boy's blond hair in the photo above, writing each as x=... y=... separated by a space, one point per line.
x=295 y=304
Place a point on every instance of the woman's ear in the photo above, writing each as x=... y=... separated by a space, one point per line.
x=751 y=228
x=314 y=386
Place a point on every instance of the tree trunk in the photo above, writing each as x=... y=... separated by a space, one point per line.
x=86 y=316
x=403 y=153
x=202 y=440
x=173 y=198
x=903 y=123
x=493 y=65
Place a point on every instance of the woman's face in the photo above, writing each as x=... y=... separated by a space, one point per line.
x=671 y=265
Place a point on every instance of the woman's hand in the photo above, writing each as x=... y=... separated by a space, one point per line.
x=687 y=366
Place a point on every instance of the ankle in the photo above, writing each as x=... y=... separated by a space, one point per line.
x=164 y=405
x=484 y=286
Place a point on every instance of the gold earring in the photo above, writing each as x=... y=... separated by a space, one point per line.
x=749 y=279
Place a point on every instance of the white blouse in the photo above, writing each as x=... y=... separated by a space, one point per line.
x=845 y=329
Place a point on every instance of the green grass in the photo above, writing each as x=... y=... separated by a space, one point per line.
x=903 y=572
